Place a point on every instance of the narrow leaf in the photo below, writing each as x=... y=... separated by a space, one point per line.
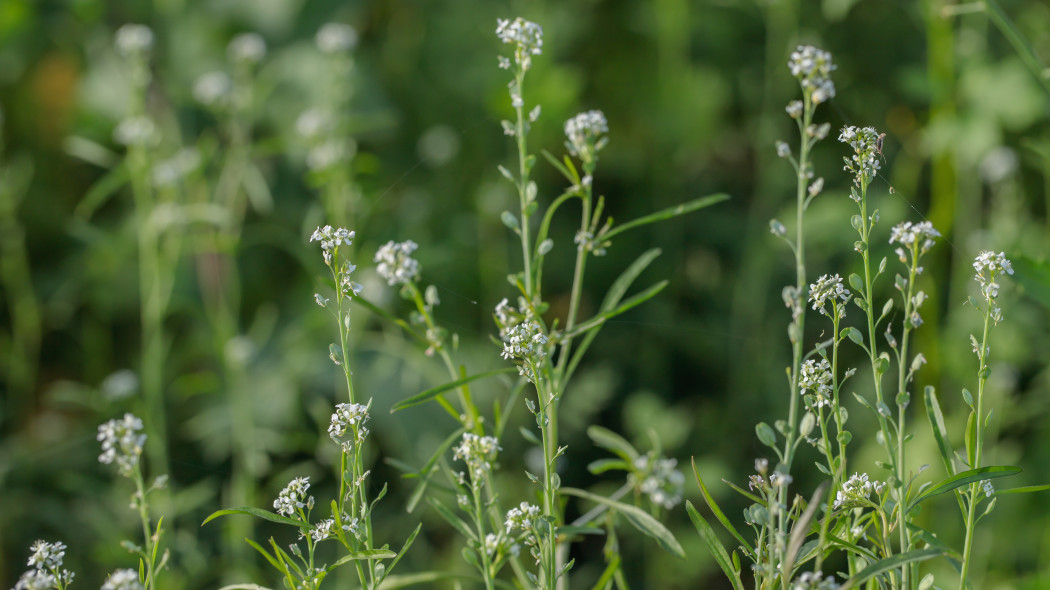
x=430 y=394
x=890 y=563
x=609 y=440
x=363 y=554
x=641 y=519
x=428 y=470
x=630 y=303
x=966 y=477
x=718 y=511
x=257 y=512
x=453 y=520
x=1024 y=490
x=687 y=207
x=714 y=546
x=940 y=433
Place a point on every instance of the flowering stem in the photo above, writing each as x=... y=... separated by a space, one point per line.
x=978 y=445
x=149 y=554
x=523 y=181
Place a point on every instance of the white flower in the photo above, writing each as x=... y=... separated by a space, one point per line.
x=138 y=131
x=122 y=443
x=865 y=163
x=856 y=489
x=783 y=149
x=348 y=416
x=829 y=289
x=586 y=134
x=794 y=109
x=521 y=517
x=331 y=239
x=916 y=236
x=987 y=488
x=527 y=37
x=47 y=555
x=478 y=452
x=525 y=342
x=246 y=48
x=657 y=478
x=123 y=579
x=813 y=69
x=213 y=89
x=814 y=581
x=293 y=497
x=36 y=580
x=816 y=377
x=395 y=263
x=132 y=39
x=336 y=38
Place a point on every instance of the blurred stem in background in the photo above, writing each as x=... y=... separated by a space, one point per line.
x=22 y=348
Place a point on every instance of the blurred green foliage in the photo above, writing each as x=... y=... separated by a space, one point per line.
x=694 y=94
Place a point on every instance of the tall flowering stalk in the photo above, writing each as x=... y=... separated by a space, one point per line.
x=122 y=443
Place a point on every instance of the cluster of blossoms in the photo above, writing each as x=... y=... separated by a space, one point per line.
x=246 y=49
x=348 y=417
x=335 y=38
x=134 y=40
x=394 y=262
x=526 y=36
x=586 y=135
x=916 y=237
x=526 y=342
x=506 y=318
x=122 y=442
x=522 y=517
x=865 y=163
x=758 y=481
x=813 y=69
x=829 y=289
x=293 y=497
x=123 y=579
x=331 y=238
x=478 y=452
x=988 y=265
x=325 y=529
x=47 y=571
x=856 y=490
x=657 y=478
x=814 y=581
x=816 y=377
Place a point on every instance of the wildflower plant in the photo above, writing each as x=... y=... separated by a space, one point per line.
x=349 y=524
x=869 y=519
x=45 y=568
x=122 y=442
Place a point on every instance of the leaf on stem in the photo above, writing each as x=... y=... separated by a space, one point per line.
x=964 y=478
x=641 y=519
x=430 y=394
x=714 y=546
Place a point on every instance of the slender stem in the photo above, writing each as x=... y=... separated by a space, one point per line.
x=978 y=444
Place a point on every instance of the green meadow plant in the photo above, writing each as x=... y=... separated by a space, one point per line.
x=863 y=524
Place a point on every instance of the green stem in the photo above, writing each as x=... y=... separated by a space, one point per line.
x=978 y=445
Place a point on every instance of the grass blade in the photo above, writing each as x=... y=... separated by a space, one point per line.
x=718 y=511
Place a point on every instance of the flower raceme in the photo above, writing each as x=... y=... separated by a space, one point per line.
x=813 y=69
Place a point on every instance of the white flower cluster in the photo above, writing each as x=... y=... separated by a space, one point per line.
x=136 y=131
x=815 y=581
x=331 y=239
x=526 y=342
x=133 y=40
x=123 y=579
x=394 y=262
x=293 y=497
x=586 y=135
x=816 y=377
x=214 y=90
x=916 y=237
x=246 y=49
x=335 y=38
x=813 y=69
x=829 y=289
x=325 y=529
x=856 y=490
x=348 y=417
x=864 y=164
x=478 y=452
x=988 y=265
x=47 y=571
x=122 y=442
x=506 y=318
x=658 y=479
x=526 y=36
x=522 y=517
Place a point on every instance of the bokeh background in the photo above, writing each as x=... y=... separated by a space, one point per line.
x=694 y=92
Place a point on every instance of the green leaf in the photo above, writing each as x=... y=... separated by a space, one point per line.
x=940 y=434
x=964 y=478
x=603 y=465
x=854 y=335
x=101 y=191
x=1023 y=490
x=766 y=435
x=428 y=470
x=571 y=531
x=273 y=561
x=717 y=511
x=801 y=527
x=630 y=303
x=430 y=394
x=610 y=441
x=453 y=520
x=668 y=213
x=605 y=580
x=570 y=174
x=890 y=563
x=363 y=554
x=641 y=519
x=429 y=578
x=257 y=512
x=714 y=546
